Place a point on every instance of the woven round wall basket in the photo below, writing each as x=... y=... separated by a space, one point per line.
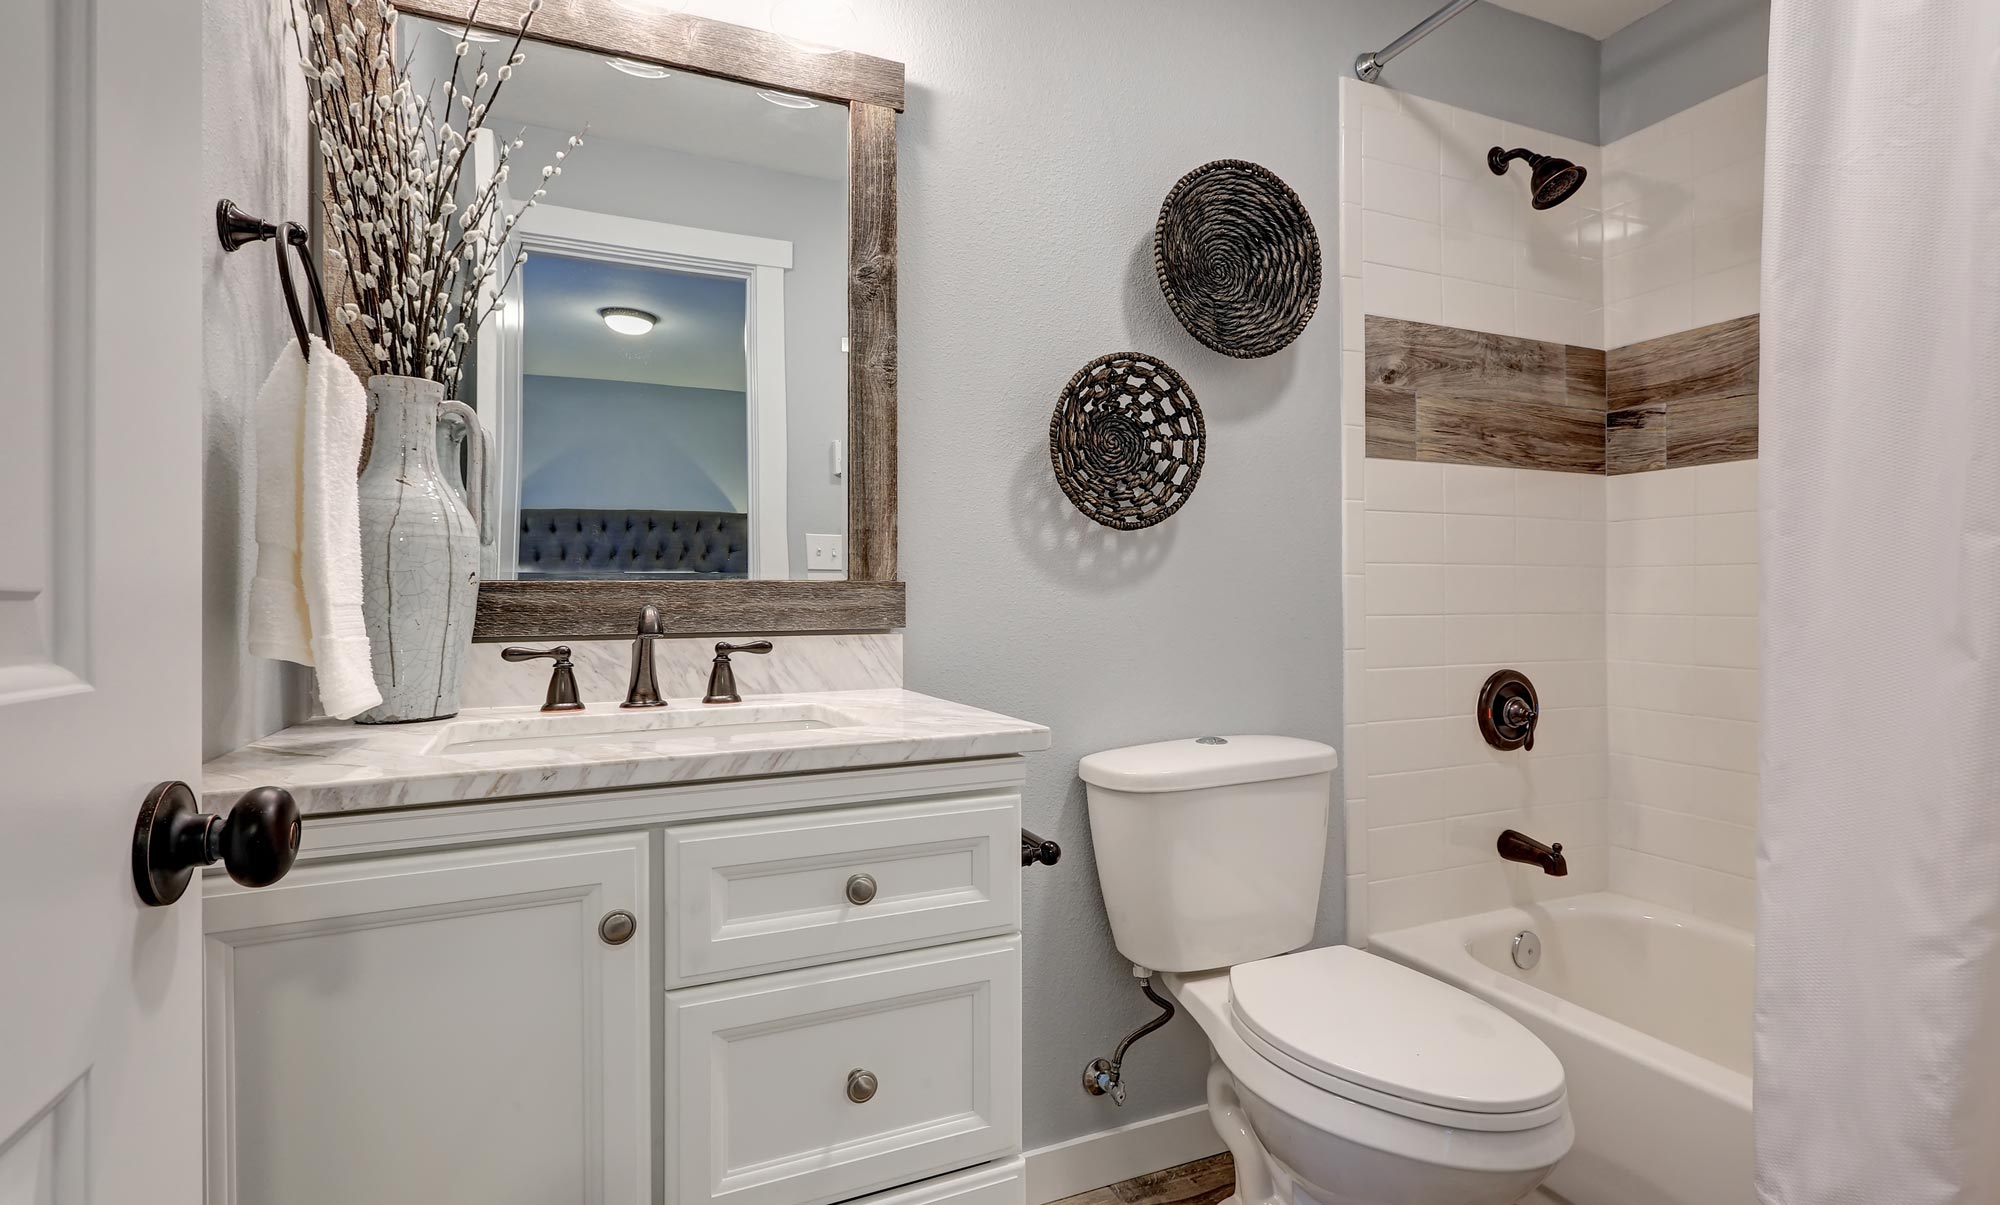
x=1127 y=440
x=1238 y=259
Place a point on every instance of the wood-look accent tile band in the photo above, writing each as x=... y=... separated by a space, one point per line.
x=1454 y=396
x=1683 y=399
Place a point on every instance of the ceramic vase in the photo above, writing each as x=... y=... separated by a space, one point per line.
x=420 y=537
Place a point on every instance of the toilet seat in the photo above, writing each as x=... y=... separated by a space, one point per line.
x=1385 y=1036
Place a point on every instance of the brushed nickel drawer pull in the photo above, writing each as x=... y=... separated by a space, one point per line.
x=860 y=890
x=861 y=1086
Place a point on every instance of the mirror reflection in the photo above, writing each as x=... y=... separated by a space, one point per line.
x=666 y=382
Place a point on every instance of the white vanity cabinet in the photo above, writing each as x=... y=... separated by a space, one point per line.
x=819 y=999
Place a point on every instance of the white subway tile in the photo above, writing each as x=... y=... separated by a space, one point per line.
x=1353 y=692
x=1727 y=243
x=1401 y=293
x=1405 y=589
x=1465 y=141
x=1353 y=219
x=1353 y=316
x=1651 y=781
x=1403 y=191
x=1563 y=589
x=1720 y=488
x=1479 y=590
x=1353 y=542
x=1668 y=638
x=1557 y=637
x=1478 y=639
x=1405 y=538
x=1354 y=610
x=1399 y=242
x=1399 y=136
x=1554 y=319
x=1353 y=447
x=1475 y=489
x=1406 y=694
x=1480 y=257
x=1723 y=794
x=1729 y=191
x=1650 y=878
x=1405 y=849
x=1406 y=797
x=1662 y=541
x=1396 y=745
x=1352 y=167
x=1731 y=293
x=1395 y=641
x=1357 y=910
x=1664 y=311
x=1482 y=206
x=1558 y=542
x=1650 y=495
x=1545 y=270
x=1725 y=590
x=1650 y=590
x=1472 y=306
x=1354 y=814
x=1405 y=485
x=1729 y=539
x=1724 y=692
x=1354 y=761
x=1545 y=495
x=1725 y=641
x=1354 y=389
x=1479 y=540
x=1727 y=899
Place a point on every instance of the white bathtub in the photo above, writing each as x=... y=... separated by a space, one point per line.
x=1650 y=1012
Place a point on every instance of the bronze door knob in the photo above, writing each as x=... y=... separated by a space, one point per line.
x=258 y=841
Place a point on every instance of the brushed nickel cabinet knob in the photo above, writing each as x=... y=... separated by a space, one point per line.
x=861 y=889
x=861 y=1086
x=617 y=927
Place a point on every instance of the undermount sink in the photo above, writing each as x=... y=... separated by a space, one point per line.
x=661 y=728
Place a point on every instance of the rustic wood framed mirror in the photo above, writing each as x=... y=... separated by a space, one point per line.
x=734 y=564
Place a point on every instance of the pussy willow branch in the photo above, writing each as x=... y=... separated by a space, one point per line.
x=396 y=158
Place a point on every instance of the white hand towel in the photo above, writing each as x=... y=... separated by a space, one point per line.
x=305 y=601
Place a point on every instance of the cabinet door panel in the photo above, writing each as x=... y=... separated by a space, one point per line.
x=438 y=1027
x=759 y=1108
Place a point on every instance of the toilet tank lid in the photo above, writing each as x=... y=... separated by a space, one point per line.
x=1209 y=761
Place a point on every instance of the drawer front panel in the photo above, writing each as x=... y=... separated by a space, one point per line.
x=746 y=896
x=762 y=1081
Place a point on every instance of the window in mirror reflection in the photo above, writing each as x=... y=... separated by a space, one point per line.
x=710 y=443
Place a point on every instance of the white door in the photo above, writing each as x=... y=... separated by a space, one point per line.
x=431 y=1028
x=100 y=586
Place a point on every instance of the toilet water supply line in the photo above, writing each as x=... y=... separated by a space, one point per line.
x=1104 y=1076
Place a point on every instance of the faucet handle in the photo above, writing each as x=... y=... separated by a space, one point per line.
x=722 y=675
x=562 y=694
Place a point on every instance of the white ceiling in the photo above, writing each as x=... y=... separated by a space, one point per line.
x=1597 y=18
x=571 y=90
x=698 y=343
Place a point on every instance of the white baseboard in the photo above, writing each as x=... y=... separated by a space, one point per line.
x=1095 y=1160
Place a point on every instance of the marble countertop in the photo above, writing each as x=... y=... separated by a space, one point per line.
x=333 y=766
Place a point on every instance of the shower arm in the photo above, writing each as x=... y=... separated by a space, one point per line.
x=1368 y=66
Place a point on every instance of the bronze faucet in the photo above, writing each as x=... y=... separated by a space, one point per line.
x=722 y=677
x=644 y=688
x=1519 y=847
x=562 y=694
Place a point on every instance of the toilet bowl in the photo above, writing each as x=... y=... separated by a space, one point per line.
x=1339 y=1077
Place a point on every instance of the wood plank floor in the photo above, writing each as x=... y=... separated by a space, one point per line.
x=1203 y=1182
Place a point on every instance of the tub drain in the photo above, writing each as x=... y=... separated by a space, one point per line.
x=1527 y=950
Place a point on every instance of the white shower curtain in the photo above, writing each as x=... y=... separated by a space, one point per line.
x=1878 y=976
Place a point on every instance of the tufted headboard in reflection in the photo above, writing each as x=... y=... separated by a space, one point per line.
x=634 y=543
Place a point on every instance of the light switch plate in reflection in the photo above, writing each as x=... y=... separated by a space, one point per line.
x=825 y=553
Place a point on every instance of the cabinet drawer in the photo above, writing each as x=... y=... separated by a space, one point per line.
x=775 y=892
x=758 y=1076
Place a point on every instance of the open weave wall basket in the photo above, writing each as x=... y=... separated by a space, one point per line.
x=1238 y=258
x=1127 y=440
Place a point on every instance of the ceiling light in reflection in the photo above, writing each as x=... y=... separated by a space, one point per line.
x=814 y=26
x=638 y=70
x=628 y=321
x=785 y=100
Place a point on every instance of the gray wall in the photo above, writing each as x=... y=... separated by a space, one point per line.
x=690 y=190
x=1040 y=139
x=628 y=446
x=250 y=156
x=1679 y=56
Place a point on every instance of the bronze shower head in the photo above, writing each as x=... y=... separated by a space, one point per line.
x=1553 y=180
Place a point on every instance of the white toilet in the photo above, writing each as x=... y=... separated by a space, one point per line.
x=1339 y=1077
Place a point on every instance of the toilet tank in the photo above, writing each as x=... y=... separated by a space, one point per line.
x=1210 y=851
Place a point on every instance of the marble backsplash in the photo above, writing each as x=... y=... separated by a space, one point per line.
x=799 y=665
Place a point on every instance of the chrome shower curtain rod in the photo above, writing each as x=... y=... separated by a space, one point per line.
x=1368 y=66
